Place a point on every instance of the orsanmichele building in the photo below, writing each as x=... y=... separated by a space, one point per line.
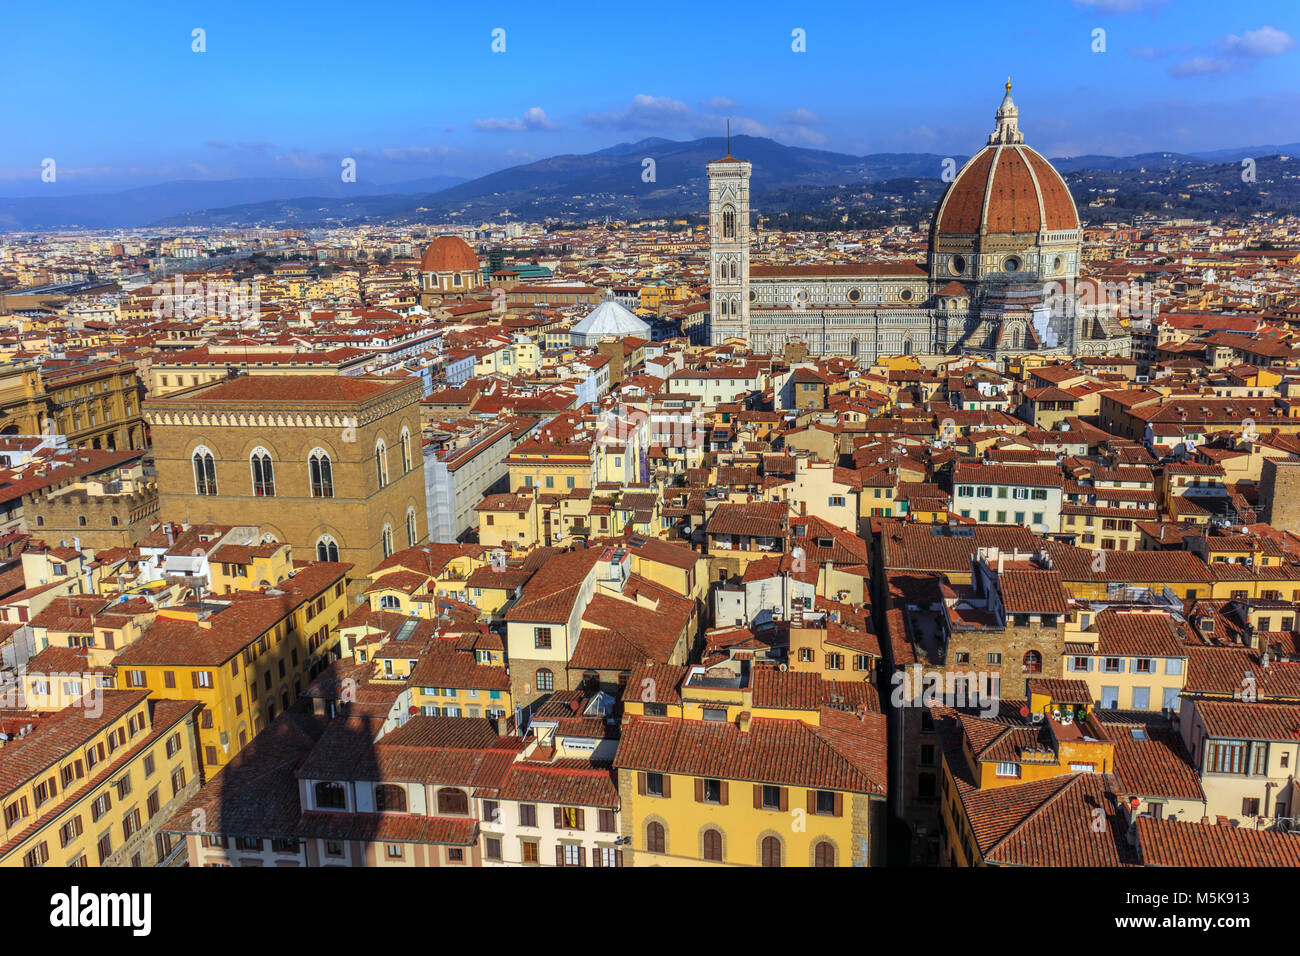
x=1002 y=276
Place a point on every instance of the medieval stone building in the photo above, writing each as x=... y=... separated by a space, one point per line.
x=1002 y=276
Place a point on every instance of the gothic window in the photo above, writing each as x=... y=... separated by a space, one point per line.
x=205 y=472
x=1015 y=338
x=406 y=449
x=388 y=540
x=321 y=473
x=734 y=271
x=728 y=223
x=381 y=462
x=410 y=528
x=263 y=473
x=327 y=549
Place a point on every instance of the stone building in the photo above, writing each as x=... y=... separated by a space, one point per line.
x=449 y=269
x=91 y=404
x=1279 y=494
x=98 y=513
x=1002 y=276
x=330 y=464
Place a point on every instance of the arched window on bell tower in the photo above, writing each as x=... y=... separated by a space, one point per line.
x=728 y=223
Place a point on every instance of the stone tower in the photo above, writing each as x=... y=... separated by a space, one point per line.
x=728 y=248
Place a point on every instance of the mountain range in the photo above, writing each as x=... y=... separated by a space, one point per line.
x=618 y=182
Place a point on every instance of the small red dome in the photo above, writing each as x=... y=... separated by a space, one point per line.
x=449 y=254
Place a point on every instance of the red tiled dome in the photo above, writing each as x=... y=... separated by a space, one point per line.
x=1006 y=188
x=449 y=254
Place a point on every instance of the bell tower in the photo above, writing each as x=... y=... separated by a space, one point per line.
x=728 y=248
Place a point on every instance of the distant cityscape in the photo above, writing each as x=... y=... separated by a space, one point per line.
x=799 y=509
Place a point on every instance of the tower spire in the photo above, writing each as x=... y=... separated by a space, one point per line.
x=728 y=135
x=1007 y=130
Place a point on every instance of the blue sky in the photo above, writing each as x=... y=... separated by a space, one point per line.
x=115 y=94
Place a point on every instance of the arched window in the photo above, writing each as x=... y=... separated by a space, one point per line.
x=381 y=462
x=389 y=602
x=713 y=845
x=545 y=679
x=331 y=795
x=654 y=837
x=771 y=851
x=387 y=540
x=205 y=472
x=1033 y=662
x=327 y=549
x=735 y=274
x=728 y=223
x=390 y=798
x=410 y=528
x=263 y=473
x=824 y=854
x=451 y=800
x=321 y=472
x=406 y=449
x=1015 y=338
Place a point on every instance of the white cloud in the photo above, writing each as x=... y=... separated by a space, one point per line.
x=1237 y=52
x=801 y=117
x=1201 y=66
x=644 y=112
x=533 y=120
x=1264 y=42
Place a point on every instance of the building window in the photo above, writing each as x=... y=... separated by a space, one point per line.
x=390 y=798
x=263 y=473
x=321 y=473
x=387 y=540
x=410 y=528
x=654 y=837
x=542 y=638
x=1008 y=769
x=453 y=801
x=771 y=851
x=654 y=784
x=728 y=222
x=824 y=853
x=205 y=472
x=331 y=796
x=327 y=549
x=545 y=680
x=713 y=845
x=381 y=463
x=406 y=449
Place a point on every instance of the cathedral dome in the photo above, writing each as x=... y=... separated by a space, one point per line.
x=449 y=254
x=1006 y=188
